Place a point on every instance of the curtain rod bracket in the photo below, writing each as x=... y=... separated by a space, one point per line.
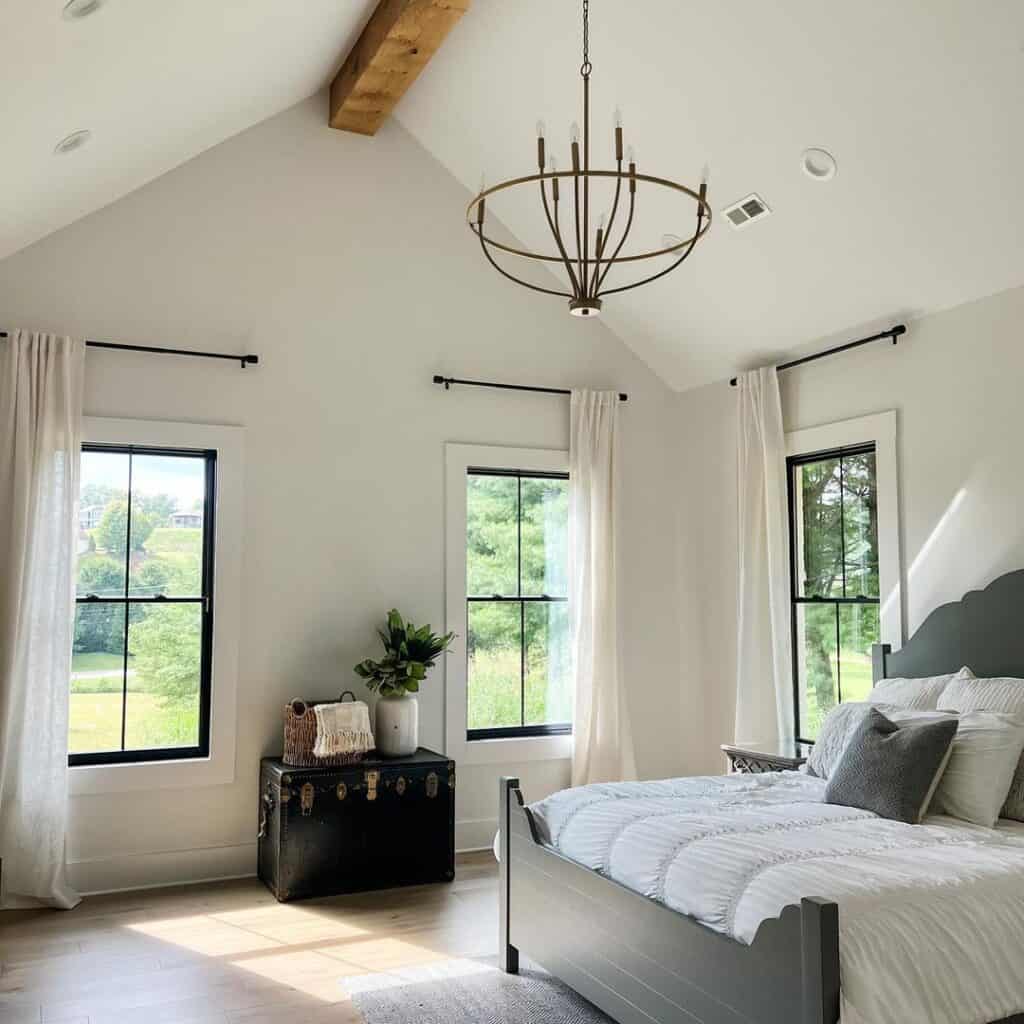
x=894 y=333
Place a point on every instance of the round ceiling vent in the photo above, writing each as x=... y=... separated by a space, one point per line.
x=74 y=10
x=818 y=164
x=76 y=140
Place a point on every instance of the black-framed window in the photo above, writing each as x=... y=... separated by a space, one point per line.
x=517 y=611
x=833 y=522
x=142 y=651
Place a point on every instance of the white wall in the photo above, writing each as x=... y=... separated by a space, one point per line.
x=343 y=262
x=955 y=382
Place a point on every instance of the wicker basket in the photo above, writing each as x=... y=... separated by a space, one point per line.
x=300 y=736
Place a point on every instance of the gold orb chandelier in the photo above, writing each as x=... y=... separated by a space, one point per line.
x=586 y=267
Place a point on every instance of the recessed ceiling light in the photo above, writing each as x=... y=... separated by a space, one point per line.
x=76 y=140
x=818 y=164
x=76 y=9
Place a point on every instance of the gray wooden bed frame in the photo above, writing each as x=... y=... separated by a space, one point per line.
x=642 y=963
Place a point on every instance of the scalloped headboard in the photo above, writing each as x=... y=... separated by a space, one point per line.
x=984 y=630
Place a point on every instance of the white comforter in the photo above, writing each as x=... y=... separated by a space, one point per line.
x=931 y=916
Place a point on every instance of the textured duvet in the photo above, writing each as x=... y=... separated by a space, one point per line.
x=931 y=916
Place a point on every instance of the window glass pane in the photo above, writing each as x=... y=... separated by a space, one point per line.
x=492 y=511
x=860 y=525
x=97 y=681
x=816 y=664
x=858 y=630
x=548 y=691
x=168 y=493
x=545 y=532
x=102 y=524
x=494 y=648
x=819 y=555
x=162 y=707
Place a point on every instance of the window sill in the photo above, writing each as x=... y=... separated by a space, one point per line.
x=132 y=777
x=514 y=750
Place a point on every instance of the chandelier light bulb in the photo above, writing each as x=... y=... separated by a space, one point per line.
x=618 y=117
x=705 y=173
x=540 y=129
x=574 y=132
x=631 y=155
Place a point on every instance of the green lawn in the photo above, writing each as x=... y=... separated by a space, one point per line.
x=855 y=677
x=494 y=697
x=97 y=683
x=95 y=661
x=96 y=723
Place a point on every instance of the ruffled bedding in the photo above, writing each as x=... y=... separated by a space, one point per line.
x=931 y=916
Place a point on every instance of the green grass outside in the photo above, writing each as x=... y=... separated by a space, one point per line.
x=95 y=661
x=856 y=680
x=98 y=661
x=96 y=701
x=96 y=723
x=180 y=551
x=494 y=698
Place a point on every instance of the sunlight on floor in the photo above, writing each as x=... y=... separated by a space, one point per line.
x=205 y=935
x=319 y=952
x=228 y=953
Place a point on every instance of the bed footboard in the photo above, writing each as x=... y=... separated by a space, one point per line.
x=645 y=964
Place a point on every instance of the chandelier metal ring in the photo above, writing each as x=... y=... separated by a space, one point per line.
x=650 y=179
x=587 y=268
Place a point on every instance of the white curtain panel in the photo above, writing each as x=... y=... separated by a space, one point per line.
x=40 y=437
x=603 y=744
x=764 y=676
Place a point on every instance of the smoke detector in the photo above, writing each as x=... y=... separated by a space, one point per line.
x=744 y=212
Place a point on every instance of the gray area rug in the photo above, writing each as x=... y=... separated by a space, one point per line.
x=471 y=992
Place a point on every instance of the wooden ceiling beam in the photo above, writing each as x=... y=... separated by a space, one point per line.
x=396 y=45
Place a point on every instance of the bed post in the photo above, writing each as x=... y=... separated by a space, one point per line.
x=879 y=653
x=819 y=921
x=508 y=790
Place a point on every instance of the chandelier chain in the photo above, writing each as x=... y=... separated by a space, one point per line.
x=586 y=67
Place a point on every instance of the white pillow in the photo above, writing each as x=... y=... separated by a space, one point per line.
x=1005 y=695
x=985 y=753
x=916 y=694
x=839 y=725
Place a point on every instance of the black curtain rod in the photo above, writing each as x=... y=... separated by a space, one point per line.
x=449 y=381
x=893 y=332
x=248 y=360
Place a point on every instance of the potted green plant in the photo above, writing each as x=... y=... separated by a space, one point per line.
x=409 y=653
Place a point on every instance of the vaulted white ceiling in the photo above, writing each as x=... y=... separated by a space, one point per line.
x=156 y=81
x=918 y=100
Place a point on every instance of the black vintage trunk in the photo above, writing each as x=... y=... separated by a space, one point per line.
x=372 y=825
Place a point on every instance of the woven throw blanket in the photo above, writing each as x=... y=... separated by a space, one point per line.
x=342 y=729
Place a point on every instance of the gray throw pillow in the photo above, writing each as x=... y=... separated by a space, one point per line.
x=890 y=769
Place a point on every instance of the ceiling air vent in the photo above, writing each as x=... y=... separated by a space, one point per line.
x=746 y=211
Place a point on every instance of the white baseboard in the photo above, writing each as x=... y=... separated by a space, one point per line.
x=122 y=872
x=475 y=834
x=155 y=870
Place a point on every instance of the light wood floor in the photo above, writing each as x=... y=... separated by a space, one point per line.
x=228 y=953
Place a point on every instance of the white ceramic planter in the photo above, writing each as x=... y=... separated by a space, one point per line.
x=398 y=726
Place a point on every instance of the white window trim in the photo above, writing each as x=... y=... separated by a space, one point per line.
x=881 y=429
x=459 y=458
x=219 y=767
